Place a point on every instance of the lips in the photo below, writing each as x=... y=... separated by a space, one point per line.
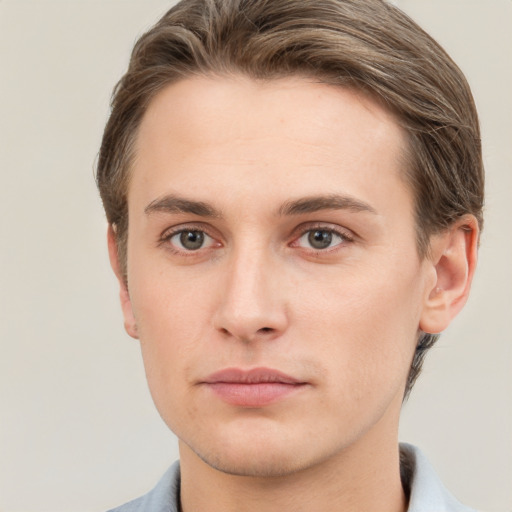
x=252 y=388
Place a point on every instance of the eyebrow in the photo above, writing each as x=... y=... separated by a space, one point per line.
x=175 y=204
x=328 y=202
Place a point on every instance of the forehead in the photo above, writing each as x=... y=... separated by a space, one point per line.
x=305 y=108
x=290 y=133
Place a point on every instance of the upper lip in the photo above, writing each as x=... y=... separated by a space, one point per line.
x=251 y=376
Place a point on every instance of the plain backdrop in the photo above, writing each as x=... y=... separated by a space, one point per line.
x=78 y=430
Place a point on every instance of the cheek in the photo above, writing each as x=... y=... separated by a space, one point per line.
x=366 y=324
x=171 y=321
x=363 y=300
x=166 y=302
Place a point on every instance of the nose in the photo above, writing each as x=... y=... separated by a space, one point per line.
x=252 y=303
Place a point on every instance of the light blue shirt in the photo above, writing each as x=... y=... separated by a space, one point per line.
x=427 y=493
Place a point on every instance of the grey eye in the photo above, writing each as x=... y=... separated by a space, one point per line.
x=320 y=239
x=189 y=240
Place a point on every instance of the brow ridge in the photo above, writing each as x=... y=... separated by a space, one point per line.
x=174 y=204
x=324 y=202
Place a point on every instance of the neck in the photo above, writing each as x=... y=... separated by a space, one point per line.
x=365 y=476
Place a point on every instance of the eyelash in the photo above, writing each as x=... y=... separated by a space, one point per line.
x=166 y=237
x=345 y=236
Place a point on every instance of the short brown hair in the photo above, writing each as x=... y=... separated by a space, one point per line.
x=364 y=44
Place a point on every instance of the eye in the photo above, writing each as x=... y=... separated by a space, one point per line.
x=320 y=239
x=190 y=240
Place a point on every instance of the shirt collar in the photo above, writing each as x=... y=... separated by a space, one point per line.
x=427 y=493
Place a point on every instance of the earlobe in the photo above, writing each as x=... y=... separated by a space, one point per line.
x=453 y=256
x=129 y=320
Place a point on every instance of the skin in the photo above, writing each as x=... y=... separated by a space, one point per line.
x=343 y=319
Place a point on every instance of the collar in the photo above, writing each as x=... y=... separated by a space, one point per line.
x=427 y=493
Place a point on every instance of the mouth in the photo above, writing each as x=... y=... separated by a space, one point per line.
x=252 y=388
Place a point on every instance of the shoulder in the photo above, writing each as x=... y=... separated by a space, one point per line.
x=427 y=493
x=164 y=497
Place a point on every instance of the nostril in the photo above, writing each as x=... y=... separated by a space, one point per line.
x=265 y=330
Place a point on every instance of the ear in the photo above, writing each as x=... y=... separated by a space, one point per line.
x=126 y=305
x=453 y=256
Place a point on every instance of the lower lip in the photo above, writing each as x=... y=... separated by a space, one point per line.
x=253 y=395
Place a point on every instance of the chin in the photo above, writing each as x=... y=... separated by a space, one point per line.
x=264 y=454
x=263 y=464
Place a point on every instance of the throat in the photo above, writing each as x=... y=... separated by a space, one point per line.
x=330 y=485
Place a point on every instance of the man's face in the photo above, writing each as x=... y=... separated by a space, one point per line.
x=273 y=275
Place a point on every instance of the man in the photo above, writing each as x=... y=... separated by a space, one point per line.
x=294 y=191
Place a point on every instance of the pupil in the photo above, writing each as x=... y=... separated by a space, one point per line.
x=320 y=239
x=192 y=240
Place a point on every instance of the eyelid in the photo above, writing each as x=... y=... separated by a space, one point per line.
x=324 y=226
x=190 y=226
x=347 y=236
x=170 y=232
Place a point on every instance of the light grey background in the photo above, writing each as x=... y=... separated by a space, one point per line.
x=78 y=430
